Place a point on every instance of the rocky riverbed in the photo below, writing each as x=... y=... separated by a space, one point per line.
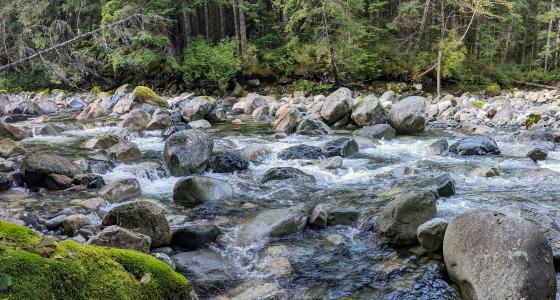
x=298 y=196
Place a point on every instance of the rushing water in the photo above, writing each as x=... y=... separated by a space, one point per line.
x=339 y=261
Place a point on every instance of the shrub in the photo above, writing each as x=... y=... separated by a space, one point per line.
x=493 y=90
x=210 y=64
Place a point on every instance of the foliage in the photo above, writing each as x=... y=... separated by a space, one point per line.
x=479 y=104
x=210 y=64
x=41 y=268
x=493 y=90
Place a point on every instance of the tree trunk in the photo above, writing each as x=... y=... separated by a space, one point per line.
x=548 y=36
x=242 y=26
x=423 y=23
x=334 y=67
x=222 y=22
x=206 y=20
x=236 y=22
x=438 y=74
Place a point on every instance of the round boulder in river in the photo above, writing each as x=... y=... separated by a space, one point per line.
x=143 y=217
x=194 y=190
x=475 y=145
x=188 y=152
x=408 y=115
x=36 y=167
x=492 y=256
x=369 y=112
x=337 y=105
x=400 y=218
x=227 y=162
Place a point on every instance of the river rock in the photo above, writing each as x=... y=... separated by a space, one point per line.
x=136 y=119
x=337 y=105
x=343 y=216
x=400 y=218
x=197 y=109
x=255 y=153
x=91 y=111
x=143 y=217
x=430 y=235
x=55 y=222
x=319 y=216
x=12 y=132
x=5 y=181
x=285 y=173
x=194 y=237
x=542 y=137
x=36 y=167
x=343 y=147
x=175 y=128
x=369 y=112
x=261 y=111
x=331 y=163
x=286 y=122
x=56 y=182
x=159 y=121
x=379 y=131
x=50 y=129
x=72 y=223
x=205 y=268
x=10 y=148
x=475 y=145
x=503 y=115
x=194 y=190
x=253 y=101
x=439 y=148
x=227 y=162
x=188 y=152
x=408 y=115
x=101 y=142
x=444 y=185
x=200 y=124
x=90 y=204
x=122 y=238
x=124 y=152
x=6 y=165
x=301 y=152
x=24 y=107
x=273 y=223
x=312 y=125
x=537 y=153
x=121 y=189
x=492 y=256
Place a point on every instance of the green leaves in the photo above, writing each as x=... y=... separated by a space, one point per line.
x=5 y=282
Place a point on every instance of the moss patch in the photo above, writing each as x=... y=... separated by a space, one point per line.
x=96 y=90
x=143 y=94
x=493 y=90
x=478 y=104
x=532 y=119
x=38 y=268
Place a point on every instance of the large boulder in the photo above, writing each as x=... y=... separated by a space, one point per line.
x=408 y=115
x=124 y=152
x=194 y=237
x=286 y=122
x=36 y=167
x=207 y=269
x=252 y=102
x=5 y=181
x=301 y=152
x=541 y=137
x=122 y=238
x=92 y=111
x=400 y=218
x=188 y=152
x=24 y=107
x=194 y=190
x=492 y=256
x=175 y=128
x=475 y=145
x=143 y=217
x=430 y=235
x=121 y=189
x=136 y=119
x=9 y=148
x=227 y=162
x=101 y=142
x=197 y=109
x=312 y=125
x=159 y=121
x=12 y=132
x=340 y=147
x=377 y=132
x=285 y=173
x=337 y=105
x=273 y=223
x=369 y=112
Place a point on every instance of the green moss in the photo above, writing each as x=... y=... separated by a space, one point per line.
x=46 y=269
x=3 y=91
x=96 y=90
x=144 y=94
x=478 y=104
x=532 y=119
x=493 y=90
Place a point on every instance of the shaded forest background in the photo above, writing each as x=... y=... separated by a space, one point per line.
x=311 y=44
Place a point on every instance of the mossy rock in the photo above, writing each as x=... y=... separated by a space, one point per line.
x=478 y=104
x=532 y=119
x=493 y=90
x=32 y=267
x=96 y=90
x=143 y=94
x=3 y=91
